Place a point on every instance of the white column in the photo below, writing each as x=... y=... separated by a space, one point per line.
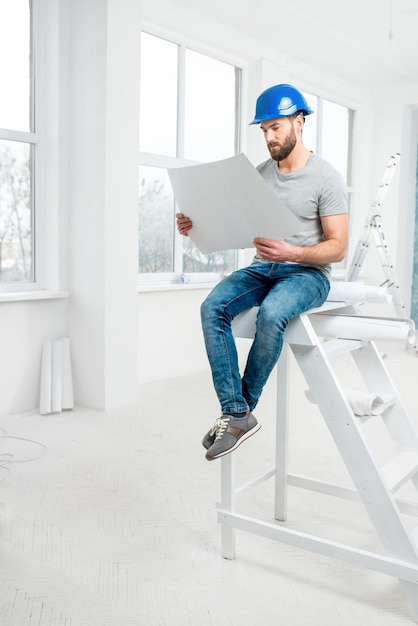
x=103 y=94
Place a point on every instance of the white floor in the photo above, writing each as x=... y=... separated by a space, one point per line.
x=109 y=519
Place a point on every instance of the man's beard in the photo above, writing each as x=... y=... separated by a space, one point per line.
x=282 y=151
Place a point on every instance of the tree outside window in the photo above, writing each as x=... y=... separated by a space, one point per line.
x=16 y=143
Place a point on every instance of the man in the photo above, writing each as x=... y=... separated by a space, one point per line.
x=286 y=277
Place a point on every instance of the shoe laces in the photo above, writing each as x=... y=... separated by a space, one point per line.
x=220 y=426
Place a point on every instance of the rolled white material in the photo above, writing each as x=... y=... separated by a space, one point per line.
x=352 y=292
x=56 y=392
x=362 y=403
x=46 y=379
x=67 y=379
x=361 y=327
x=198 y=277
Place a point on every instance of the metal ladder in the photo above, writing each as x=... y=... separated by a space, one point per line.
x=374 y=485
x=373 y=231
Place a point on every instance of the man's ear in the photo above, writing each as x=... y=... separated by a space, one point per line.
x=300 y=121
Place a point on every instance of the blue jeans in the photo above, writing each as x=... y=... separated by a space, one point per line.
x=282 y=291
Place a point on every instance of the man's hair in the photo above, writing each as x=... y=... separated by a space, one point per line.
x=295 y=115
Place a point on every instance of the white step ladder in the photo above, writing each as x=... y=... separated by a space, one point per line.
x=373 y=232
x=375 y=486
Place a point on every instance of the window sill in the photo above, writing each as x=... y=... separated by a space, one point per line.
x=174 y=282
x=175 y=287
x=42 y=294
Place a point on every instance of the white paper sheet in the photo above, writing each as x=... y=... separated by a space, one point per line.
x=229 y=204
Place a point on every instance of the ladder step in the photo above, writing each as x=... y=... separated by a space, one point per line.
x=400 y=469
x=336 y=347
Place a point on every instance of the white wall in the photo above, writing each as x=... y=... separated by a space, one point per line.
x=393 y=129
x=120 y=337
x=23 y=328
x=95 y=150
x=170 y=339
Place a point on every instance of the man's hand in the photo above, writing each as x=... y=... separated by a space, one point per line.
x=184 y=224
x=275 y=251
x=331 y=250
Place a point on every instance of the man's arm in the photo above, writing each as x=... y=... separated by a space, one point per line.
x=333 y=249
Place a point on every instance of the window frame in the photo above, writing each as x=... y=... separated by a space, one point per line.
x=339 y=269
x=43 y=137
x=319 y=134
x=171 y=279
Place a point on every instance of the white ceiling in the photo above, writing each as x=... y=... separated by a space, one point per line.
x=368 y=42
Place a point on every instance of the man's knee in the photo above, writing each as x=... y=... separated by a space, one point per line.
x=271 y=319
x=204 y=309
x=209 y=306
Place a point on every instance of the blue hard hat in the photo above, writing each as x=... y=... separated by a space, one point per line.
x=279 y=101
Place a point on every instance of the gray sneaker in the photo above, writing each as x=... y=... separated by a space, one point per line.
x=229 y=432
x=210 y=437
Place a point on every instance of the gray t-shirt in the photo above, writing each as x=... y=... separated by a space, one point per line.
x=311 y=192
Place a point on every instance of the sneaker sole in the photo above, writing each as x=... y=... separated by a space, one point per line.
x=248 y=434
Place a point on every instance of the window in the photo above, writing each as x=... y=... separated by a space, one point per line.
x=189 y=113
x=17 y=142
x=329 y=133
